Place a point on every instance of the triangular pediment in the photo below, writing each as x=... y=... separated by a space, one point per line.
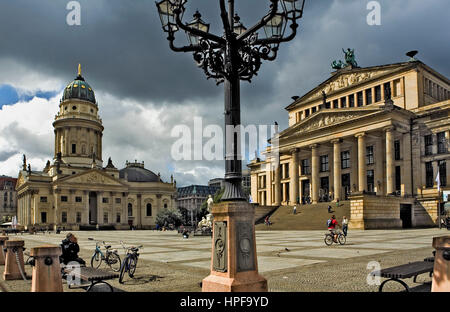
x=92 y=176
x=20 y=180
x=344 y=79
x=328 y=118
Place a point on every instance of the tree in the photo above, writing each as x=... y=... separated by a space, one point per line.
x=165 y=217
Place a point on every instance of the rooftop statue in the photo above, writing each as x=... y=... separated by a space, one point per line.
x=350 y=60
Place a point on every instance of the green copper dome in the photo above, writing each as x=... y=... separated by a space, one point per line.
x=79 y=89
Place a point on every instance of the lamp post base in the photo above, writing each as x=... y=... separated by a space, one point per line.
x=234 y=265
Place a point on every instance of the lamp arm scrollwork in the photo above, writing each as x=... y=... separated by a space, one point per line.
x=190 y=48
x=194 y=31
x=263 y=22
x=293 y=26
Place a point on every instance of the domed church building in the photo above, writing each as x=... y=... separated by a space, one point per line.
x=75 y=190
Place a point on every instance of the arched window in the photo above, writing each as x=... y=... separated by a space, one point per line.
x=130 y=210
x=149 y=210
x=165 y=206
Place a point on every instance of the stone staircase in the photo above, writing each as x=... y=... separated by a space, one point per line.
x=262 y=211
x=308 y=217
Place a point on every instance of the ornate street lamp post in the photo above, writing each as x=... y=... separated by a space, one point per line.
x=234 y=56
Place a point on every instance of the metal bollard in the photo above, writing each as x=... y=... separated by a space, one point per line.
x=441 y=271
x=14 y=266
x=46 y=269
x=2 y=251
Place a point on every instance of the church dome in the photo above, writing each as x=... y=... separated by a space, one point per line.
x=135 y=172
x=79 y=89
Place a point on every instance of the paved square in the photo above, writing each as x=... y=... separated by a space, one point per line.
x=333 y=253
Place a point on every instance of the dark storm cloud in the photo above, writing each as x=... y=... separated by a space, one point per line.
x=21 y=139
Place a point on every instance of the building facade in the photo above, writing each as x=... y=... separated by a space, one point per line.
x=75 y=190
x=191 y=198
x=8 y=197
x=377 y=136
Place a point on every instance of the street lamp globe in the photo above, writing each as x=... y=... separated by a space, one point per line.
x=167 y=15
x=275 y=27
x=199 y=24
x=293 y=8
x=238 y=27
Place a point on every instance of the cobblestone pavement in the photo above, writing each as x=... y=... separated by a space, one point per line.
x=290 y=260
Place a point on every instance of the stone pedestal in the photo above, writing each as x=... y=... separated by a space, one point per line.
x=47 y=269
x=12 y=268
x=441 y=272
x=234 y=266
x=2 y=252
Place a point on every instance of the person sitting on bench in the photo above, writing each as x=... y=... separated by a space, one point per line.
x=70 y=250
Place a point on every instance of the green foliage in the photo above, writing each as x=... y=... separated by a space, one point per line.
x=165 y=217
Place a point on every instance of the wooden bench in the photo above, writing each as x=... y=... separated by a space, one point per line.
x=398 y=273
x=90 y=276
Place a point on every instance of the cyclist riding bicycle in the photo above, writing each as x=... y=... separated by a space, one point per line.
x=332 y=224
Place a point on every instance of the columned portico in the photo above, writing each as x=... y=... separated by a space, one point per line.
x=277 y=187
x=315 y=173
x=362 y=172
x=294 y=177
x=337 y=169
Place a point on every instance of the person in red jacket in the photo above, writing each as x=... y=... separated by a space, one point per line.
x=332 y=227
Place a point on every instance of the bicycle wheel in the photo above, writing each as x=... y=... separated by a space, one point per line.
x=328 y=240
x=132 y=267
x=342 y=239
x=96 y=260
x=123 y=269
x=113 y=261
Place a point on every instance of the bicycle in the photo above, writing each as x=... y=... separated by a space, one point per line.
x=129 y=264
x=329 y=238
x=111 y=258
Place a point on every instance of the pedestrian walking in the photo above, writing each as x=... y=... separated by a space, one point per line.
x=295 y=209
x=345 y=225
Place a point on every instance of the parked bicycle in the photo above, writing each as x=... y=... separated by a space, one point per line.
x=111 y=257
x=329 y=238
x=129 y=264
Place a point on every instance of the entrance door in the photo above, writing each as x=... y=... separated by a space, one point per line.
x=406 y=215
x=324 y=189
x=92 y=208
x=306 y=192
x=345 y=181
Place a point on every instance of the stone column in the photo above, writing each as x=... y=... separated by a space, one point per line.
x=86 y=213
x=269 y=185
x=277 y=184
x=99 y=208
x=294 y=177
x=315 y=173
x=406 y=168
x=139 y=210
x=362 y=174
x=56 y=212
x=46 y=276
x=379 y=160
x=337 y=169
x=390 y=163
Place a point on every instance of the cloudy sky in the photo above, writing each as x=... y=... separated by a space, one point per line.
x=144 y=89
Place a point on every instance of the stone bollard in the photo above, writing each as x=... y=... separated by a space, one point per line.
x=2 y=252
x=46 y=269
x=441 y=271
x=14 y=266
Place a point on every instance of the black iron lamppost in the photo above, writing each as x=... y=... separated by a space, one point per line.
x=234 y=56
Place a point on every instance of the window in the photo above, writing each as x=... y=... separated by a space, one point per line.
x=327 y=105
x=442 y=146
x=43 y=217
x=429 y=174
x=370 y=181
x=286 y=171
x=306 y=168
x=130 y=210
x=165 y=206
x=78 y=217
x=398 y=178
x=369 y=155
x=336 y=104
x=43 y=199
x=442 y=172
x=369 y=96
x=343 y=102
x=64 y=217
x=428 y=144
x=313 y=110
x=387 y=88
x=78 y=199
x=360 y=100
x=118 y=218
x=306 y=113
x=324 y=163
x=105 y=217
x=397 y=150
x=377 y=94
x=345 y=160
x=351 y=100
x=64 y=198
x=149 y=210
x=118 y=200
x=74 y=148
x=105 y=200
